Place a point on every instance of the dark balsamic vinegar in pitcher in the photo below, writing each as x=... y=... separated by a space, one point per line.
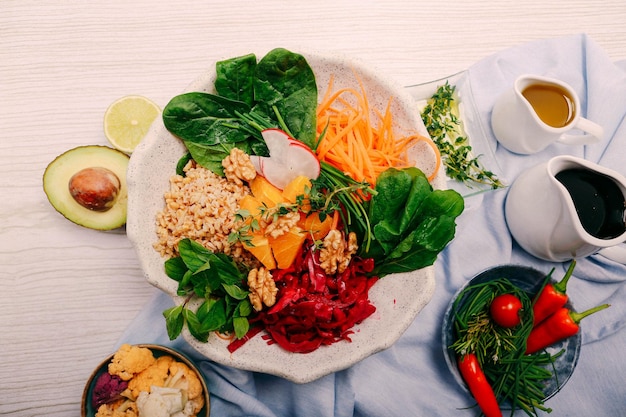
x=598 y=200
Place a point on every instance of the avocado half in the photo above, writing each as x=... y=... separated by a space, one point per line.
x=57 y=177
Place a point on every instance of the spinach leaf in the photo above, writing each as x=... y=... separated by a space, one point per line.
x=391 y=195
x=422 y=246
x=411 y=222
x=206 y=118
x=182 y=163
x=211 y=156
x=419 y=191
x=235 y=78
x=442 y=203
x=210 y=126
x=285 y=80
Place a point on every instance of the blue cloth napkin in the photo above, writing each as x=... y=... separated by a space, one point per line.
x=411 y=377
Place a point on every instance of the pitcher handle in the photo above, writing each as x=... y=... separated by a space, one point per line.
x=615 y=253
x=595 y=132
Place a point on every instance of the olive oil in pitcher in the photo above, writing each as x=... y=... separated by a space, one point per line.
x=598 y=200
x=551 y=103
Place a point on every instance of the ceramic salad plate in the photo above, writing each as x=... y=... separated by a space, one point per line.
x=398 y=298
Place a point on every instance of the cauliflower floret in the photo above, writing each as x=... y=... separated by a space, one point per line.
x=164 y=402
x=130 y=360
x=156 y=374
x=184 y=378
x=121 y=408
x=152 y=404
x=169 y=373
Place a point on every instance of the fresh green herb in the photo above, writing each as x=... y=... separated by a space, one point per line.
x=441 y=118
x=516 y=378
x=278 y=91
x=243 y=234
x=410 y=222
x=217 y=281
x=334 y=190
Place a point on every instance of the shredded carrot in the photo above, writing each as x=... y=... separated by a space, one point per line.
x=335 y=223
x=360 y=141
x=228 y=336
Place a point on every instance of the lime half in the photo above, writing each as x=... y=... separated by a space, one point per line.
x=127 y=121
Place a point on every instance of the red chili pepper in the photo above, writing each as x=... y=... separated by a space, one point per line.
x=478 y=385
x=552 y=297
x=560 y=325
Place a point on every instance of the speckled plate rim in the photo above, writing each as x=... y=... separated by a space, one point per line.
x=565 y=364
x=398 y=298
x=87 y=410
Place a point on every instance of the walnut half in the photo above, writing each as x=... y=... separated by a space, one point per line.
x=336 y=253
x=238 y=167
x=281 y=224
x=262 y=288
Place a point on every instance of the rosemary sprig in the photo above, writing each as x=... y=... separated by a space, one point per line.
x=441 y=119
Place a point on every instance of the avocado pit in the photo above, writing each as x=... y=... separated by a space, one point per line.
x=95 y=188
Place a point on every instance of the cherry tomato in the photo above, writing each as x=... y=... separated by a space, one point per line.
x=505 y=309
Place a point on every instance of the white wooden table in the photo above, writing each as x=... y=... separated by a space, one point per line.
x=67 y=293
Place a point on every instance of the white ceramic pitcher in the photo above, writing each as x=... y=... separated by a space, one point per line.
x=524 y=118
x=542 y=217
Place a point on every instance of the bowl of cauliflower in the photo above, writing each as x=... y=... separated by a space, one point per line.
x=148 y=381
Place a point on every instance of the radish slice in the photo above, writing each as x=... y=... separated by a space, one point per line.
x=277 y=142
x=288 y=159
x=275 y=173
x=302 y=160
x=256 y=162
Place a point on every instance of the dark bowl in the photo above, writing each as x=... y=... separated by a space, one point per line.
x=87 y=409
x=529 y=280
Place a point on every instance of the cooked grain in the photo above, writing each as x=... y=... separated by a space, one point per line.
x=200 y=206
